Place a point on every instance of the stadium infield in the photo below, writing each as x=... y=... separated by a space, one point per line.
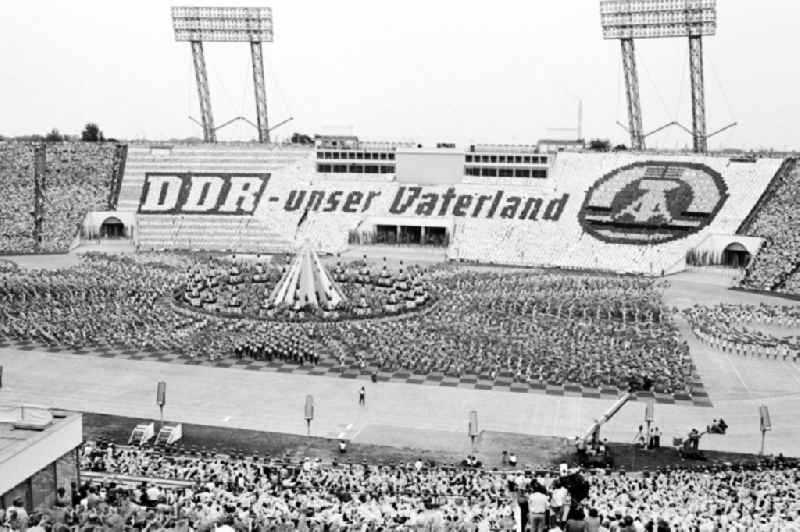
x=422 y=417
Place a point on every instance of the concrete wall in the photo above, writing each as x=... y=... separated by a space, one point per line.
x=429 y=167
x=41 y=449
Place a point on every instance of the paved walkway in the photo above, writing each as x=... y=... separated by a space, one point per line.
x=329 y=366
x=710 y=287
x=274 y=401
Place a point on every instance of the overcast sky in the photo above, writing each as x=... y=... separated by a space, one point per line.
x=444 y=70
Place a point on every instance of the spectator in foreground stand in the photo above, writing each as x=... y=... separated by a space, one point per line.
x=576 y=522
x=259 y=494
x=593 y=521
x=537 y=508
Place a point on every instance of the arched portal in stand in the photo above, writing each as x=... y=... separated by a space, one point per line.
x=736 y=255
x=112 y=227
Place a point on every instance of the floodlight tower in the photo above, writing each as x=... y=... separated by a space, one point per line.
x=203 y=93
x=627 y=20
x=700 y=140
x=226 y=24
x=632 y=91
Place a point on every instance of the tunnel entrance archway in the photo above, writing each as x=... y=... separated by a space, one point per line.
x=112 y=227
x=736 y=256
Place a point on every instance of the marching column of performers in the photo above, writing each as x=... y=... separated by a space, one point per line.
x=266 y=352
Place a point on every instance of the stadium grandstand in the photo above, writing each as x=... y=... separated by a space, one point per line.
x=332 y=315
x=77 y=178
x=224 y=276
x=315 y=495
x=497 y=217
x=775 y=218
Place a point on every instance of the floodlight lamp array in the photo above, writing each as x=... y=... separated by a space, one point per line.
x=222 y=24
x=642 y=19
x=645 y=6
x=222 y=12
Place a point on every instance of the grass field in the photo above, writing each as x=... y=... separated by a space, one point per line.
x=535 y=452
x=249 y=442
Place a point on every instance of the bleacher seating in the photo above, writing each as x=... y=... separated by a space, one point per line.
x=567 y=245
x=77 y=180
x=243 y=234
x=777 y=265
x=562 y=243
x=16 y=202
x=144 y=158
x=182 y=490
x=791 y=285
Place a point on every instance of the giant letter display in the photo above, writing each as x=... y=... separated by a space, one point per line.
x=206 y=193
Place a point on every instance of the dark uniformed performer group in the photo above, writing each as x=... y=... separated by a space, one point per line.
x=291 y=354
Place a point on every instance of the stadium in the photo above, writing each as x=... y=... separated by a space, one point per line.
x=332 y=333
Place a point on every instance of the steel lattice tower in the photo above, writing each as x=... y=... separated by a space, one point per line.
x=627 y=20
x=226 y=24
x=260 y=91
x=700 y=141
x=632 y=89
x=203 y=93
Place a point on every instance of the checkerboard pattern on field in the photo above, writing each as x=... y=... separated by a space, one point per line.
x=330 y=367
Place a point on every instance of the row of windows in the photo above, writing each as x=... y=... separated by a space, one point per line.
x=374 y=155
x=505 y=172
x=354 y=169
x=513 y=159
x=470 y=171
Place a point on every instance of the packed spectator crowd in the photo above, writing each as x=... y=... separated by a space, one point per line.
x=251 y=493
x=77 y=180
x=138 y=489
x=761 y=499
x=16 y=202
x=777 y=265
x=791 y=284
x=757 y=329
x=7 y=266
x=546 y=328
